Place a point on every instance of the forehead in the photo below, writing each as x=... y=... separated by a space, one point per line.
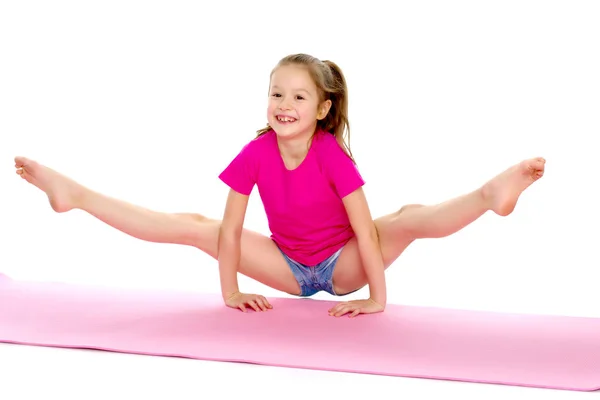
x=292 y=77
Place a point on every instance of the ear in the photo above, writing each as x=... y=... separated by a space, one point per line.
x=324 y=109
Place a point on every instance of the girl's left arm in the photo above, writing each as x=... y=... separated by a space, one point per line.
x=368 y=244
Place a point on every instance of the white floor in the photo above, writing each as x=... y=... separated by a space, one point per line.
x=33 y=373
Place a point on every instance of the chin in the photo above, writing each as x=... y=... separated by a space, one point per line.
x=290 y=131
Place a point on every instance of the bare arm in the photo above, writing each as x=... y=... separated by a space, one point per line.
x=368 y=244
x=229 y=248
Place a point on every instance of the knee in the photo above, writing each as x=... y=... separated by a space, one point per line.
x=409 y=207
x=194 y=217
x=199 y=218
x=405 y=221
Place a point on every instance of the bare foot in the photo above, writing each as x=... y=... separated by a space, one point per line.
x=64 y=193
x=502 y=192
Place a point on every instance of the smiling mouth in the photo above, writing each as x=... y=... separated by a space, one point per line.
x=285 y=119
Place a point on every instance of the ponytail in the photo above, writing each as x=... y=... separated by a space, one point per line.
x=336 y=122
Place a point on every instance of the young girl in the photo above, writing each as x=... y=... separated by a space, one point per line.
x=323 y=236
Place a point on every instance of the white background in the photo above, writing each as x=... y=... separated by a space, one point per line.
x=149 y=101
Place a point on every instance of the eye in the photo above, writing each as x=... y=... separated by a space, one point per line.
x=300 y=97
x=276 y=95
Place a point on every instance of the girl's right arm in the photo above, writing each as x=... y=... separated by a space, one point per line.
x=229 y=247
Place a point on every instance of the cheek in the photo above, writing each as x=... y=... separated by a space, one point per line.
x=273 y=104
x=307 y=112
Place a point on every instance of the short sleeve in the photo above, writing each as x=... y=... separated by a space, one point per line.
x=240 y=174
x=342 y=172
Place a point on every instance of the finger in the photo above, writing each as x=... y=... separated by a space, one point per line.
x=242 y=307
x=266 y=301
x=343 y=310
x=335 y=308
x=339 y=313
x=252 y=304
x=261 y=304
x=354 y=313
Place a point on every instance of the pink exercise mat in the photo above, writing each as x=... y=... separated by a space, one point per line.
x=511 y=349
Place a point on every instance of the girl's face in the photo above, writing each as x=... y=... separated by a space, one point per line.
x=294 y=107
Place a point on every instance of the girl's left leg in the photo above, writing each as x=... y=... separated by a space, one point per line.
x=398 y=230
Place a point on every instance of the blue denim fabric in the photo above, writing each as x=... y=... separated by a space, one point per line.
x=314 y=279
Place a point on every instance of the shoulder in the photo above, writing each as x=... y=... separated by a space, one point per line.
x=338 y=167
x=260 y=144
x=324 y=139
x=264 y=138
x=254 y=150
x=330 y=151
x=243 y=170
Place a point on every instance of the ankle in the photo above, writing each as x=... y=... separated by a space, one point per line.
x=485 y=197
x=81 y=198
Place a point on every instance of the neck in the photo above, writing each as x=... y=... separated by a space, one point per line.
x=295 y=148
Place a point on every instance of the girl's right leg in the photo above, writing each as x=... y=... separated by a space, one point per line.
x=260 y=260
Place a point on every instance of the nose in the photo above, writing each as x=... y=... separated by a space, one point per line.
x=284 y=105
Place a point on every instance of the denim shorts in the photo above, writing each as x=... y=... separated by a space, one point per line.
x=316 y=278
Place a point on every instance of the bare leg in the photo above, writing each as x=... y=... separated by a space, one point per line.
x=398 y=230
x=260 y=258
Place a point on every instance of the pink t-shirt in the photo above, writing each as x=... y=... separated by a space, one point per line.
x=304 y=207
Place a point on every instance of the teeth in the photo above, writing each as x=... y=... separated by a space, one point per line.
x=286 y=119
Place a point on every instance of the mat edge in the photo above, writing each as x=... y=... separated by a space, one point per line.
x=292 y=366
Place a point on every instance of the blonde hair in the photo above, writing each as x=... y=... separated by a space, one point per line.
x=331 y=85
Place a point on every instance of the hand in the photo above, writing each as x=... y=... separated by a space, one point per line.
x=356 y=307
x=241 y=300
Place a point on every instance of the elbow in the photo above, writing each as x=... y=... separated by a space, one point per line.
x=229 y=236
x=372 y=233
x=229 y=233
x=369 y=236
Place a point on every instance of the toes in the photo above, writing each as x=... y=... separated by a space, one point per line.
x=21 y=162
x=537 y=173
x=536 y=164
x=24 y=175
